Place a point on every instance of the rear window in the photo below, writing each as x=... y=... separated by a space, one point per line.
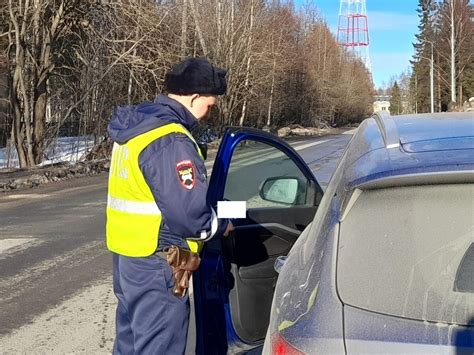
x=408 y=252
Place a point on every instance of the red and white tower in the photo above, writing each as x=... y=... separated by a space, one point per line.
x=353 y=29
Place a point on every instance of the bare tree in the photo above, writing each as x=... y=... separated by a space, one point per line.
x=72 y=61
x=35 y=28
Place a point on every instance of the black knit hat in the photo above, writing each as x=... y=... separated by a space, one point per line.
x=196 y=76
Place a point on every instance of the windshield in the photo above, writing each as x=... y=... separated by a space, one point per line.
x=408 y=252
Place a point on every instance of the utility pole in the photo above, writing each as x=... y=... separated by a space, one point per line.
x=431 y=59
x=431 y=76
x=453 y=59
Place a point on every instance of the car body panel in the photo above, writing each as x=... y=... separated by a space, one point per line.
x=370 y=156
x=429 y=127
x=384 y=152
x=369 y=332
x=369 y=159
x=445 y=144
x=311 y=305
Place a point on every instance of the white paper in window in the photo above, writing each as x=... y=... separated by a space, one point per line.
x=231 y=209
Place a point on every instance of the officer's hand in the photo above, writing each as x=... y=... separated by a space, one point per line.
x=230 y=228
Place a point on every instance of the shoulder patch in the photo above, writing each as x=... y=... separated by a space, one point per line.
x=186 y=174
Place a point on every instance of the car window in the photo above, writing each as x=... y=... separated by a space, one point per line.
x=252 y=164
x=465 y=276
x=408 y=252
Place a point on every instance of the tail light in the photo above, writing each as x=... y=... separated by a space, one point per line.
x=281 y=347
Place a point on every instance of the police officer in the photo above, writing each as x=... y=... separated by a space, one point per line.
x=157 y=198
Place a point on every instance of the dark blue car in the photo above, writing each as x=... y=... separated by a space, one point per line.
x=383 y=263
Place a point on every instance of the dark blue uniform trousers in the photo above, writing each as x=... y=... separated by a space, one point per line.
x=149 y=319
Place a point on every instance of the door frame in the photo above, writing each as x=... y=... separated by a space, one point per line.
x=233 y=136
x=214 y=330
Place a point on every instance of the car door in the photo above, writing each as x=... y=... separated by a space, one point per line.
x=234 y=286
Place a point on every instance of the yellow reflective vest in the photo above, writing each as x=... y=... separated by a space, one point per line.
x=133 y=217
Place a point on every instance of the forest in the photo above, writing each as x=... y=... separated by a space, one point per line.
x=66 y=64
x=441 y=77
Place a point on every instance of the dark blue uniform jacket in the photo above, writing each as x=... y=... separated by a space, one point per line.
x=185 y=211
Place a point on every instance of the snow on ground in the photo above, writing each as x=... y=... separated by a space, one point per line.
x=65 y=149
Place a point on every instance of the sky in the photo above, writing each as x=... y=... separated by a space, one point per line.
x=392 y=28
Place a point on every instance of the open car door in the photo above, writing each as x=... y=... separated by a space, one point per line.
x=233 y=288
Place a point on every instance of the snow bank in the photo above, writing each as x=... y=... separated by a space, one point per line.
x=65 y=149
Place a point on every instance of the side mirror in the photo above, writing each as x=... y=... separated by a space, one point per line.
x=281 y=189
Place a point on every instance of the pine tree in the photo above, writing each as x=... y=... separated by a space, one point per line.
x=463 y=49
x=396 y=107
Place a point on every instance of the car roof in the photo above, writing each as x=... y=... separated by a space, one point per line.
x=428 y=126
x=396 y=146
x=429 y=132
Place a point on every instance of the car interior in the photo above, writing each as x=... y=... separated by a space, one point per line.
x=251 y=252
x=269 y=230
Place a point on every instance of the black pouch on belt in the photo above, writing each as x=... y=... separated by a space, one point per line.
x=183 y=262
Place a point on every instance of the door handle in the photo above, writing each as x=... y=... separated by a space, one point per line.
x=279 y=262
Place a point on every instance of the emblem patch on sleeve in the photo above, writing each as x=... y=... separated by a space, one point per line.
x=186 y=175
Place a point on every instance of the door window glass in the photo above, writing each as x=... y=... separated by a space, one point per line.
x=264 y=176
x=408 y=252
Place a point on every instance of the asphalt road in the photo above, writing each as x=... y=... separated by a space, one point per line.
x=55 y=272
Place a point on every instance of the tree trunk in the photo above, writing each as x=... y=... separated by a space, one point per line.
x=198 y=28
x=219 y=28
x=247 y=71
x=184 y=29
x=272 y=86
x=41 y=100
x=232 y=25
x=453 y=57
x=18 y=129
